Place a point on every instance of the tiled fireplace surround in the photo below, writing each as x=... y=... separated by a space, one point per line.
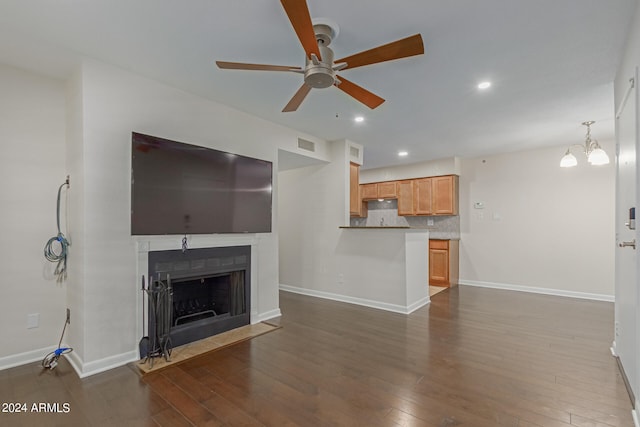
x=172 y=243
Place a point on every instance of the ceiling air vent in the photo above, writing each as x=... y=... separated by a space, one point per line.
x=306 y=145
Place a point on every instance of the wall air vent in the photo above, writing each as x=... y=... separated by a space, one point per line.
x=306 y=145
x=354 y=151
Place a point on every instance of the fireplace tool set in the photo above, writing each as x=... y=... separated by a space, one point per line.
x=159 y=295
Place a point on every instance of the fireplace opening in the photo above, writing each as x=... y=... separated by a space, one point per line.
x=205 y=297
x=209 y=291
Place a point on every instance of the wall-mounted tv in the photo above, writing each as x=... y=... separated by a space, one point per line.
x=179 y=188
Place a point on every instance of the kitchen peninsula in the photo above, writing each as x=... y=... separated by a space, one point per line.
x=386 y=265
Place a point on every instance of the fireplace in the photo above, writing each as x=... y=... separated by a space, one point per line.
x=208 y=291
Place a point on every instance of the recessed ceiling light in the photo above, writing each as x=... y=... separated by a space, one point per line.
x=403 y=153
x=484 y=85
x=358 y=119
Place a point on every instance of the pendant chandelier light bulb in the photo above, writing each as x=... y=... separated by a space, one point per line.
x=568 y=160
x=598 y=157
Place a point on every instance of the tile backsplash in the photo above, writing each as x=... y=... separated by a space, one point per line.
x=385 y=213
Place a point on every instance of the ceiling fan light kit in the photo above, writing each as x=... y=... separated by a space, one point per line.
x=320 y=68
x=595 y=154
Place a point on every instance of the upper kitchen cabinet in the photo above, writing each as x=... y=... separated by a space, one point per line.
x=405 y=197
x=387 y=190
x=436 y=195
x=369 y=191
x=444 y=195
x=422 y=191
x=379 y=190
x=356 y=207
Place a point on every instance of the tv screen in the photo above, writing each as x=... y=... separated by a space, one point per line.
x=179 y=188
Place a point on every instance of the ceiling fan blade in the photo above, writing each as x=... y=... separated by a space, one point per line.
x=298 y=14
x=257 y=67
x=403 y=48
x=297 y=98
x=369 y=99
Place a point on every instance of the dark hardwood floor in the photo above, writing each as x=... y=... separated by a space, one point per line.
x=474 y=357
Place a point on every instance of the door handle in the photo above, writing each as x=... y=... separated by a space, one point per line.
x=625 y=244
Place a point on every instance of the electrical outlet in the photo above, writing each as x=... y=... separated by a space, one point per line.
x=68 y=315
x=33 y=320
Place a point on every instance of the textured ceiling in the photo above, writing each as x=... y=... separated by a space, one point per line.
x=551 y=62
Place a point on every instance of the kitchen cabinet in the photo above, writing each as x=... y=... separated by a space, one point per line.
x=443 y=262
x=369 y=191
x=405 y=197
x=435 y=195
x=356 y=207
x=422 y=196
x=444 y=195
x=387 y=190
x=378 y=190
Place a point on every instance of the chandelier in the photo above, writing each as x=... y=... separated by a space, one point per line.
x=595 y=154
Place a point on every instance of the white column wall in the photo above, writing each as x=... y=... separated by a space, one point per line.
x=312 y=204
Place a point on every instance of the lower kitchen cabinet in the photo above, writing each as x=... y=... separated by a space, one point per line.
x=443 y=262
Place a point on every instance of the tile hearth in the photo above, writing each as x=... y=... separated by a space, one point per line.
x=196 y=348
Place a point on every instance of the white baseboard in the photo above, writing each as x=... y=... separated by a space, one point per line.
x=634 y=415
x=14 y=360
x=266 y=316
x=91 y=368
x=418 y=304
x=81 y=368
x=358 y=301
x=536 y=290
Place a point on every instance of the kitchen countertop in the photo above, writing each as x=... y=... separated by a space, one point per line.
x=443 y=235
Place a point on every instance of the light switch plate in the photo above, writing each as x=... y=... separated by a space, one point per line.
x=478 y=205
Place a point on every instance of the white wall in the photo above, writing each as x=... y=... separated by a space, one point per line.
x=543 y=227
x=32 y=167
x=448 y=166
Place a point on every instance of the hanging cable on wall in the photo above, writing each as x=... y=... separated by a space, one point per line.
x=50 y=253
x=50 y=361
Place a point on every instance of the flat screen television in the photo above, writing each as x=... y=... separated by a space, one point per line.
x=179 y=188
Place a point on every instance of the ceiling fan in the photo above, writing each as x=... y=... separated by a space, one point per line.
x=320 y=69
